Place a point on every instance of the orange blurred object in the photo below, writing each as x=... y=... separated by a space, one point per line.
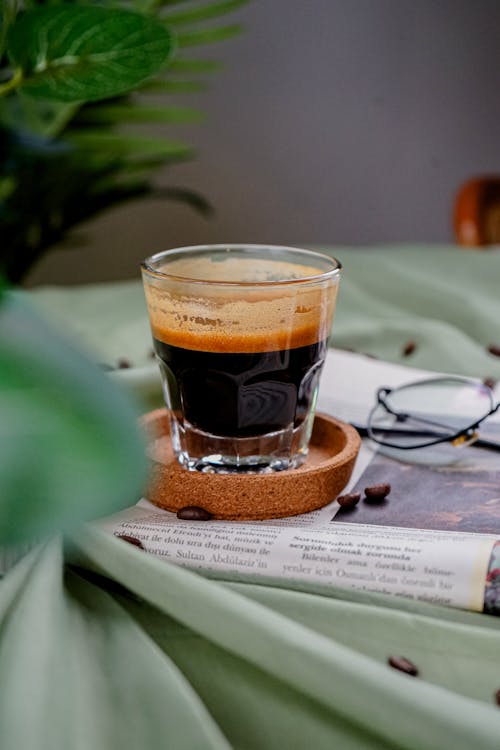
x=476 y=214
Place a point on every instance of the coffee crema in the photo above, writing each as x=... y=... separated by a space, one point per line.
x=224 y=342
x=253 y=322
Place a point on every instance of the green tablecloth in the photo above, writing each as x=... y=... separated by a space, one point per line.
x=122 y=650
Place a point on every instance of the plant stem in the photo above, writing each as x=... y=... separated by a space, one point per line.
x=12 y=83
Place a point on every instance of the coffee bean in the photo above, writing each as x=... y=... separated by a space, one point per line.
x=349 y=500
x=194 y=513
x=131 y=540
x=123 y=363
x=403 y=664
x=377 y=492
x=409 y=348
x=494 y=349
x=497 y=697
x=490 y=382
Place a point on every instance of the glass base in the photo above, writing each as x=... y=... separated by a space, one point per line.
x=212 y=454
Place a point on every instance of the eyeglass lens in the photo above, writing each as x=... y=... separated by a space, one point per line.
x=433 y=410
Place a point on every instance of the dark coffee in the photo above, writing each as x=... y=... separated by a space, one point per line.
x=241 y=394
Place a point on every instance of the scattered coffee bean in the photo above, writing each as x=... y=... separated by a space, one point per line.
x=377 y=492
x=123 y=363
x=409 y=348
x=490 y=382
x=497 y=697
x=349 y=500
x=403 y=664
x=131 y=540
x=494 y=349
x=194 y=513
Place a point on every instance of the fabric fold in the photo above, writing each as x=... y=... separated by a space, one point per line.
x=343 y=680
x=76 y=672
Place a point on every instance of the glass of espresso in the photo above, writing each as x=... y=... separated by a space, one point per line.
x=240 y=333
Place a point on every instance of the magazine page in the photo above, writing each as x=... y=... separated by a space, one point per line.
x=434 y=537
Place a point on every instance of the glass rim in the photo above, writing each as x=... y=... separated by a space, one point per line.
x=147 y=267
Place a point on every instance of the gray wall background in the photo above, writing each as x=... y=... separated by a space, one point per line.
x=333 y=121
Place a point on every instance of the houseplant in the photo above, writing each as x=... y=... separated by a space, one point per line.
x=76 y=78
x=71 y=75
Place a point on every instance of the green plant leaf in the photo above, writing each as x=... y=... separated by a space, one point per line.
x=86 y=53
x=159 y=4
x=70 y=448
x=118 y=113
x=208 y=36
x=111 y=145
x=203 y=12
x=7 y=187
x=191 y=197
x=53 y=73
x=8 y=11
x=184 y=65
x=159 y=86
x=41 y=117
x=52 y=186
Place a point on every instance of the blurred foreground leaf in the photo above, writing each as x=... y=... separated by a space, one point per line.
x=70 y=447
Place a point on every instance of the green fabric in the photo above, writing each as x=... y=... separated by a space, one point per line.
x=105 y=647
x=445 y=299
x=175 y=660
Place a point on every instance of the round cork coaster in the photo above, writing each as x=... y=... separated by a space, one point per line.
x=332 y=452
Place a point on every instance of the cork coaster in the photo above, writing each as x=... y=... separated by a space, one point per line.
x=332 y=452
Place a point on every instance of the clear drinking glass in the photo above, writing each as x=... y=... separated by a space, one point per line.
x=240 y=333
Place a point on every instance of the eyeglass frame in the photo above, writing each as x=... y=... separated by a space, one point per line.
x=467 y=435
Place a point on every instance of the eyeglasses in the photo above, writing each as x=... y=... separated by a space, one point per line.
x=429 y=412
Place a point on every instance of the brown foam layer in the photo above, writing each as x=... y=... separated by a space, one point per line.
x=220 y=341
x=236 y=319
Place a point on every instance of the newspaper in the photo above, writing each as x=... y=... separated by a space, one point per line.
x=436 y=538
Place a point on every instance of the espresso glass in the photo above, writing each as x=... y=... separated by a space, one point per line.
x=240 y=333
